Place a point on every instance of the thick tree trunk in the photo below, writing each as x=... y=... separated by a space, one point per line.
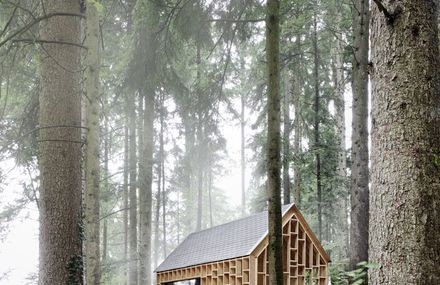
x=286 y=141
x=316 y=124
x=405 y=196
x=60 y=147
x=359 y=169
x=274 y=142
x=91 y=199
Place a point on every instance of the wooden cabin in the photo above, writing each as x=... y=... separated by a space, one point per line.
x=235 y=253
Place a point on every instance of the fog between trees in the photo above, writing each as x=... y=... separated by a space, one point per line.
x=116 y=114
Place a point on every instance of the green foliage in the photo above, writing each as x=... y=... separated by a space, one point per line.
x=75 y=270
x=355 y=277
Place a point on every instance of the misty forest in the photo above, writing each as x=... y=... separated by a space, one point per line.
x=211 y=142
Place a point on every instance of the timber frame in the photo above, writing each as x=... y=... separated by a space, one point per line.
x=304 y=261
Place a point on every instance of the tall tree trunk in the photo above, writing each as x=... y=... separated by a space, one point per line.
x=286 y=140
x=359 y=169
x=317 y=121
x=157 y=214
x=405 y=196
x=141 y=176
x=126 y=205
x=104 y=198
x=146 y=40
x=340 y=225
x=133 y=256
x=242 y=153
x=91 y=199
x=297 y=124
x=200 y=142
x=162 y=171
x=274 y=142
x=60 y=147
x=211 y=222
x=145 y=194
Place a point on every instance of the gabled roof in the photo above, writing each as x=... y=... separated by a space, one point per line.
x=235 y=239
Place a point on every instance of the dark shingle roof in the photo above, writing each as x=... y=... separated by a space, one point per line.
x=235 y=239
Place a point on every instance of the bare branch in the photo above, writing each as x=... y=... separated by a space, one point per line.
x=31 y=41
x=36 y=21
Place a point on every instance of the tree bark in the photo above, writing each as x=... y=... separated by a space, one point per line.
x=405 y=196
x=91 y=199
x=145 y=193
x=297 y=124
x=200 y=142
x=162 y=171
x=286 y=141
x=316 y=124
x=60 y=147
x=359 y=169
x=126 y=205
x=133 y=256
x=340 y=226
x=147 y=15
x=274 y=143
x=242 y=153
x=157 y=214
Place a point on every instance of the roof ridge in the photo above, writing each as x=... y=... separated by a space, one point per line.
x=240 y=219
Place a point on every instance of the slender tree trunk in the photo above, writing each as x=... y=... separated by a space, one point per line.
x=405 y=196
x=286 y=141
x=157 y=214
x=200 y=142
x=146 y=37
x=126 y=205
x=133 y=256
x=359 y=169
x=297 y=124
x=211 y=222
x=243 y=154
x=104 y=198
x=91 y=199
x=107 y=143
x=340 y=223
x=145 y=195
x=317 y=121
x=274 y=142
x=60 y=147
x=162 y=171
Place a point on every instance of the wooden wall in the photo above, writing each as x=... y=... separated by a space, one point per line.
x=234 y=272
x=305 y=262
x=302 y=262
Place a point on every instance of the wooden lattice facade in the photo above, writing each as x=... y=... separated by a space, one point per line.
x=304 y=261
